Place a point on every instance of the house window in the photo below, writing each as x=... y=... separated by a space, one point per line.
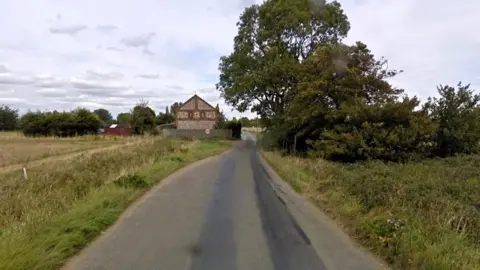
x=202 y=115
x=190 y=115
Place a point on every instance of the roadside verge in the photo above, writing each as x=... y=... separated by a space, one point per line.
x=332 y=245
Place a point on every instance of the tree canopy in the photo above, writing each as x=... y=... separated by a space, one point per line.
x=319 y=96
x=104 y=115
x=8 y=118
x=143 y=119
x=273 y=39
x=124 y=119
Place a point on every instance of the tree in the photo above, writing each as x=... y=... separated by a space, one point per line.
x=174 y=107
x=104 y=115
x=457 y=114
x=165 y=118
x=245 y=122
x=345 y=109
x=143 y=119
x=221 y=122
x=8 y=118
x=273 y=39
x=62 y=124
x=124 y=119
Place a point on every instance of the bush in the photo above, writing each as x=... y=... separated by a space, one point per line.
x=457 y=115
x=131 y=181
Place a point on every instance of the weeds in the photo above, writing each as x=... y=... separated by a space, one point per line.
x=131 y=181
x=423 y=215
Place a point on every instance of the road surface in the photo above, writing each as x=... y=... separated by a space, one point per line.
x=229 y=212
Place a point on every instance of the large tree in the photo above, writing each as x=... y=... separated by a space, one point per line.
x=104 y=115
x=124 y=119
x=273 y=39
x=8 y=118
x=143 y=118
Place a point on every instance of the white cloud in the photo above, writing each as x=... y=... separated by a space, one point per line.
x=51 y=92
x=432 y=41
x=106 y=28
x=149 y=76
x=139 y=41
x=69 y=30
x=3 y=69
x=63 y=54
x=95 y=75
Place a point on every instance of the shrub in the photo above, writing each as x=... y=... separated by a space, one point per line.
x=131 y=181
x=457 y=115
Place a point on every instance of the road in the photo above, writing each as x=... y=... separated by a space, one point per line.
x=229 y=212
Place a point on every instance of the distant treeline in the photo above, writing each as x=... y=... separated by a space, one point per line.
x=141 y=119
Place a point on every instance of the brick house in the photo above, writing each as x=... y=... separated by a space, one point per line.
x=197 y=114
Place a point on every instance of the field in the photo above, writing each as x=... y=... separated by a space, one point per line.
x=66 y=202
x=17 y=149
x=253 y=129
x=422 y=215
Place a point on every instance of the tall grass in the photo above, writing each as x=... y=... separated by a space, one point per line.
x=64 y=204
x=422 y=215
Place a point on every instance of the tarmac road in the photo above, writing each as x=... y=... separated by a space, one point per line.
x=229 y=212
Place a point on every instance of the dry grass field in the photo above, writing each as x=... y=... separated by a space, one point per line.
x=71 y=198
x=18 y=149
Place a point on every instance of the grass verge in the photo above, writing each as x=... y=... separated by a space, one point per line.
x=422 y=215
x=65 y=205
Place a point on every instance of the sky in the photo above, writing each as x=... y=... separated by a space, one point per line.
x=64 y=54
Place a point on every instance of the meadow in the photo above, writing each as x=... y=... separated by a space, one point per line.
x=66 y=202
x=418 y=215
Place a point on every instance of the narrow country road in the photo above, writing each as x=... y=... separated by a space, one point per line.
x=229 y=212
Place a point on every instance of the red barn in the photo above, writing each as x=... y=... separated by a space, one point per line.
x=117 y=130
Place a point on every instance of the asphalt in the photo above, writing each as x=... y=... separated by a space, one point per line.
x=230 y=212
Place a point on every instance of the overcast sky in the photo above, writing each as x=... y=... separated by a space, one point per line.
x=61 y=54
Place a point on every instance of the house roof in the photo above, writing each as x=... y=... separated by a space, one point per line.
x=196 y=96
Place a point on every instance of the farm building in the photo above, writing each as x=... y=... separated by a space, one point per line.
x=117 y=130
x=196 y=114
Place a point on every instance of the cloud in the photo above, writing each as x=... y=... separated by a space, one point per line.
x=52 y=92
x=115 y=49
x=68 y=30
x=95 y=75
x=3 y=69
x=4 y=100
x=149 y=76
x=95 y=85
x=7 y=92
x=7 y=78
x=106 y=28
x=141 y=41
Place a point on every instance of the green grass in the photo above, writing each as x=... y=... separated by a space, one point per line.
x=422 y=215
x=67 y=204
